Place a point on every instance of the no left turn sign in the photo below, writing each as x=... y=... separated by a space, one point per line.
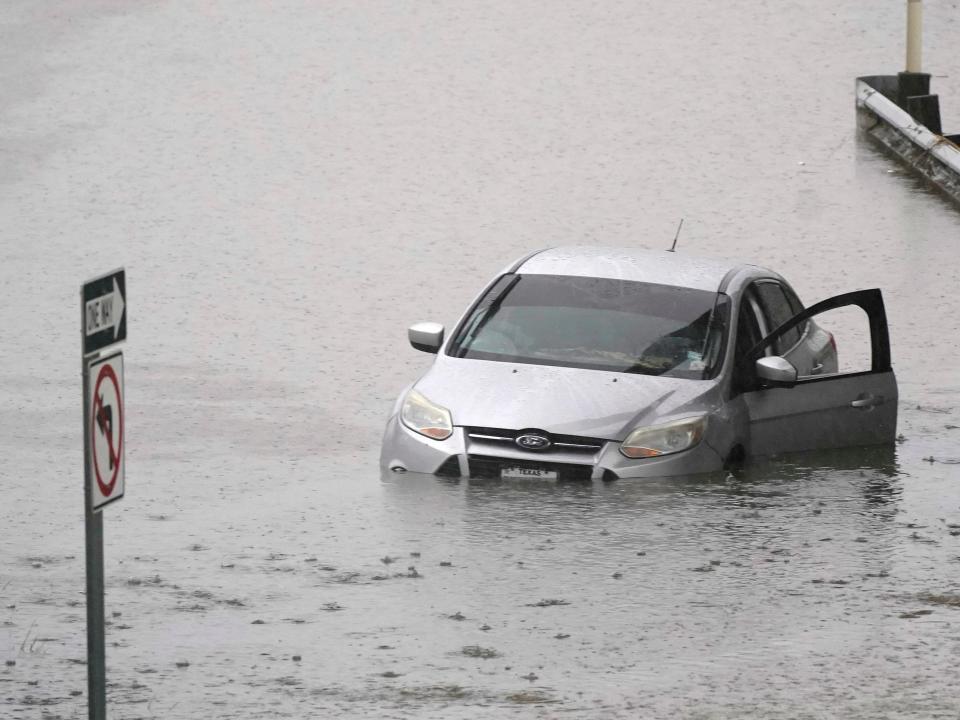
x=105 y=430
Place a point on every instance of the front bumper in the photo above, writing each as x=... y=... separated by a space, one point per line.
x=463 y=456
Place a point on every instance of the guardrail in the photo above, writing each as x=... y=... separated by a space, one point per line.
x=935 y=157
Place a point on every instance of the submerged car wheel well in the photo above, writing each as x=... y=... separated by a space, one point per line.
x=735 y=458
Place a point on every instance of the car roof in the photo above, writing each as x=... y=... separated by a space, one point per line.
x=626 y=263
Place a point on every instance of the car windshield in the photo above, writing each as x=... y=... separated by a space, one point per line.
x=597 y=323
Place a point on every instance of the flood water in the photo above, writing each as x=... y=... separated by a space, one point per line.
x=289 y=186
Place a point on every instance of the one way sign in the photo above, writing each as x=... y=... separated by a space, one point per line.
x=104 y=311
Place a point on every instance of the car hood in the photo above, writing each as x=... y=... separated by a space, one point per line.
x=570 y=401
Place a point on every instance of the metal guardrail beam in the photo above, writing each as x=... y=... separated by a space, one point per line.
x=933 y=156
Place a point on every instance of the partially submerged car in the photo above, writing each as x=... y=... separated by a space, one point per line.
x=605 y=363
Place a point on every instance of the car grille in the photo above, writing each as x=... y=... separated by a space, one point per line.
x=565 y=443
x=485 y=466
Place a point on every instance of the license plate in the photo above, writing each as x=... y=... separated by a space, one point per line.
x=525 y=473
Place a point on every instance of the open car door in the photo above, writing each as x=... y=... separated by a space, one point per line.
x=837 y=404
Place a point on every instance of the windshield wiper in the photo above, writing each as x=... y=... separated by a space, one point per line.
x=644 y=368
x=487 y=313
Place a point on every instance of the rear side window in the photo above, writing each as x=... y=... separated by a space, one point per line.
x=796 y=307
x=778 y=310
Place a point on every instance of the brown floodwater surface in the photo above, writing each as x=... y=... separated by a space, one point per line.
x=289 y=186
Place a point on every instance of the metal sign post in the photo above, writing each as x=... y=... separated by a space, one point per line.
x=103 y=322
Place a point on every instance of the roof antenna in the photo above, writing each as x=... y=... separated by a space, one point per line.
x=676 y=237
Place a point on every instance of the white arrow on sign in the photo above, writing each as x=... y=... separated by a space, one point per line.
x=105 y=312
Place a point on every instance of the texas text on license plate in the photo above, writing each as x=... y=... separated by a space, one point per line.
x=527 y=473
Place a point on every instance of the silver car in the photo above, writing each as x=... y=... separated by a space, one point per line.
x=583 y=363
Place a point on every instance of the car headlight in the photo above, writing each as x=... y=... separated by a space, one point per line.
x=425 y=417
x=664 y=439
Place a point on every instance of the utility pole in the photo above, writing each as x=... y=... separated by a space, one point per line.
x=914 y=35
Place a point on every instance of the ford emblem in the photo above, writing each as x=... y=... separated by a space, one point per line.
x=531 y=441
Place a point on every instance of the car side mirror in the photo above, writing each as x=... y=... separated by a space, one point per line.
x=426 y=336
x=776 y=372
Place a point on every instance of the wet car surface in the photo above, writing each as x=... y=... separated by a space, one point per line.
x=332 y=175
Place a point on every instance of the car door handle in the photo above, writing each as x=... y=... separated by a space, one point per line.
x=865 y=402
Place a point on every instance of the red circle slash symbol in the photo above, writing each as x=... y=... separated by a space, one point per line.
x=104 y=422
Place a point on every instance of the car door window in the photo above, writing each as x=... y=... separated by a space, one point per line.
x=857 y=319
x=837 y=342
x=777 y=310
